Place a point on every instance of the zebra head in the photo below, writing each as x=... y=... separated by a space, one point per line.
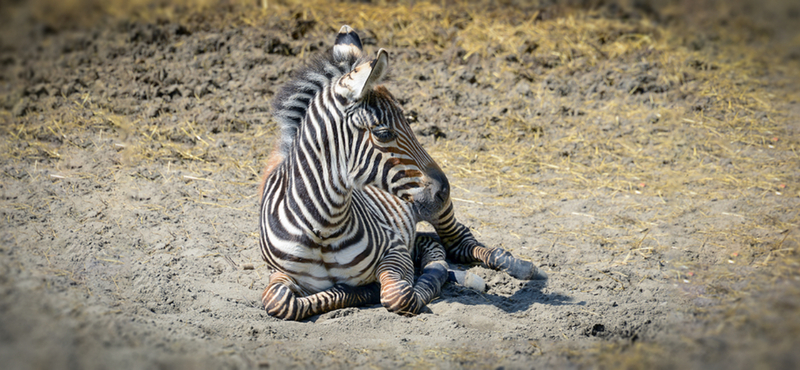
x=386 y=152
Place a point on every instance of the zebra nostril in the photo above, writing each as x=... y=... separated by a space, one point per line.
x=443 y=193
x=441 y=187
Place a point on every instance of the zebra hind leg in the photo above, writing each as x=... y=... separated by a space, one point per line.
x=463 y=248
x=283 y=298
x=498 y=259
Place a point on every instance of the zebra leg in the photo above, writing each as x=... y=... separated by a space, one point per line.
x=284 y=299
x=429 y=249
x=462 y=247
x=399 y=294
x=466 y=279
x=430 y=257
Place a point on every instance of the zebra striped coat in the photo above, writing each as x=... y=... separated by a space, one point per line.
x=344 y=190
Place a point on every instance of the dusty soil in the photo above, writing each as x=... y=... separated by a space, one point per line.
x=645 y=157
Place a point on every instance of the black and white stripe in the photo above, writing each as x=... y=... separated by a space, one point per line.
x=350 y=181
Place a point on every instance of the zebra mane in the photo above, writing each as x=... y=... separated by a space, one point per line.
x=291 y=103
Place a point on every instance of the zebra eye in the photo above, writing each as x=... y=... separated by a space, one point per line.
x=383 y=134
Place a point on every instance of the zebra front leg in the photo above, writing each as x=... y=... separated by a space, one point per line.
x=399 y=294
x=283 y=298
x=462 y=247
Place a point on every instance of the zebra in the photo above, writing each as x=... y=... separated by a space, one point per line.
x=342 y=193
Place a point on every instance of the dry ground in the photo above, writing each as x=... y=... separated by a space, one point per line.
x=643 y=153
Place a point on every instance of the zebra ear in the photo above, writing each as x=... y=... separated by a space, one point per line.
x=347 y=43
x=354 y=85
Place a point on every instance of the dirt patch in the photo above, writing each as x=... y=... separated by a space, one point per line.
x=644 y=156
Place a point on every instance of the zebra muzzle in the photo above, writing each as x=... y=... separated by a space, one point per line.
x=436 y=194
x=439 y=186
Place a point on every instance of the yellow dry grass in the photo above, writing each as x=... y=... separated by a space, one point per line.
x=746 y=122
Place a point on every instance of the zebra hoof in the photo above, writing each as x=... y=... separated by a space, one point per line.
x=466 y=279
x=525 y=270
x=501 y=259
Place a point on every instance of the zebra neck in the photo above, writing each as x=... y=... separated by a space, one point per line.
x=318 y=189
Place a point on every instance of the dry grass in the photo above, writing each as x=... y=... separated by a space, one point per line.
x=720 y=127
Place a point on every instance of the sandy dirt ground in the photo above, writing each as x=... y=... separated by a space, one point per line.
x=644 y=155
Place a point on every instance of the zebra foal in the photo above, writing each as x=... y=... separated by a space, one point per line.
x=343 y=192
